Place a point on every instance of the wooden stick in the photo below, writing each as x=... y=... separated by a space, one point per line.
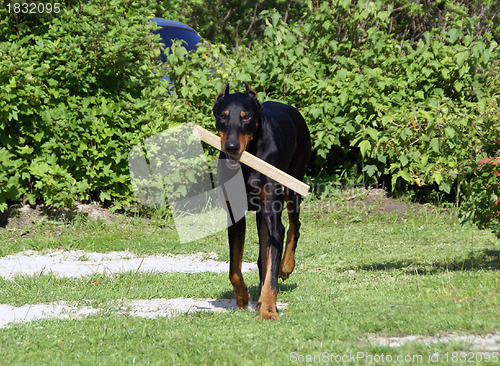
x=256 y=163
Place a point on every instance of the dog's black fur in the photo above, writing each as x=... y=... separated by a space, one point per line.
x=278 y=134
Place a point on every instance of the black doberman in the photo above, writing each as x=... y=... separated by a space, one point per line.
x=278 y=134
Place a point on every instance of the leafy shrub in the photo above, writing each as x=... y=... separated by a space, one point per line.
x=76 y=91
x=8 y=179
x=482 y=191
x=237 y=22
x=231 y=22
x=415 y=115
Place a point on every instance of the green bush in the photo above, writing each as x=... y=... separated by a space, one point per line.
x=77 y=90
x=231 y=22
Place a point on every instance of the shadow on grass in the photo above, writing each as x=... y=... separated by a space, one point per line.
x=254 y=291
x=485 y=259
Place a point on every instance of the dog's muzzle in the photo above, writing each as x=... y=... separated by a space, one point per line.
x=231 y=162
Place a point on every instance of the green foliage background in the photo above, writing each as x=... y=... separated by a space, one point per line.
x=402 y=93
x=76 y=93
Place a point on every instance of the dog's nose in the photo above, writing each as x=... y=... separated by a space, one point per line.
x=232 y=146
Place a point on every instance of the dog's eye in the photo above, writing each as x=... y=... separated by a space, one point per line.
x=247 y=117
x=223 y=117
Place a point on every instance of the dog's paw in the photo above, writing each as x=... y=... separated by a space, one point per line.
x=284 y=272
x=242 y=300
x=267 y=314
x=287 y=266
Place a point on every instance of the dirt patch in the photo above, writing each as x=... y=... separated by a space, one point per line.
x=25 y=219
x=359 y=201
x=379 y=200
x=79 y=263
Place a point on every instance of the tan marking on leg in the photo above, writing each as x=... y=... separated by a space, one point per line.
x=268 y=305
x=268 y=296
x=288 y=261
x=240 y=290
x=235 y=276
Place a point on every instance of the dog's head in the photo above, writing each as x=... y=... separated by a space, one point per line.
x=237 y=119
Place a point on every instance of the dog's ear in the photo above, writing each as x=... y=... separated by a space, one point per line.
x=252 y=92
x=221 y=95
x=224 y=92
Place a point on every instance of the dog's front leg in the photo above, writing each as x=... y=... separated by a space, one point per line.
x=271 y=235
x=236 y=236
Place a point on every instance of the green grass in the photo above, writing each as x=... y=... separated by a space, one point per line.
x=359 y=271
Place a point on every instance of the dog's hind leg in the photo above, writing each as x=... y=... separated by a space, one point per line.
x=292 y=200
x=236 y=236
x=262 y=261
